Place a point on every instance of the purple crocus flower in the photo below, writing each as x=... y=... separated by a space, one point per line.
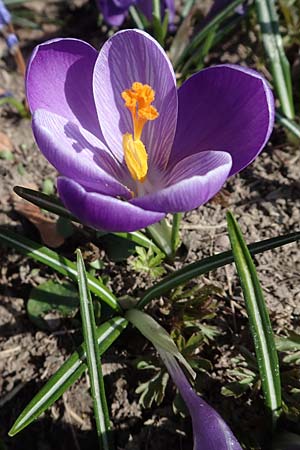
x=218 y=5
x=12 y=41
x=209 y=429
x=115 y=11
x=5 y=16
x=130 y=148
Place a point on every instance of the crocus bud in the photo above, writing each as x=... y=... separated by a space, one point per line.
x=12 y=41
x=5 y=16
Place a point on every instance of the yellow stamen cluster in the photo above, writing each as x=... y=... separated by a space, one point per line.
x=138 y=100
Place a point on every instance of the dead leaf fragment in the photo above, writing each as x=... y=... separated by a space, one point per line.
x=46 y=226
x=5 y=143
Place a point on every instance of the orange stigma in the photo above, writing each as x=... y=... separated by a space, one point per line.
x=138 y=100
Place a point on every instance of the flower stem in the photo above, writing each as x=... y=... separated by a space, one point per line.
x=161 y=233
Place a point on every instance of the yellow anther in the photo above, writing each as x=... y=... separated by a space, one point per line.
x=135 y=157
x=138 y=100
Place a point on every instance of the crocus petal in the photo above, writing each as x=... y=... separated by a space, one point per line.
x=76 y=153
x=209 y=429
x=227 y=108
x=191 y=183
x=103 y=212
x=129 y=56
x=114 y=12
x=59 y=79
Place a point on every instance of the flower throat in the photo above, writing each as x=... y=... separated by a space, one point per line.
x=138 y=100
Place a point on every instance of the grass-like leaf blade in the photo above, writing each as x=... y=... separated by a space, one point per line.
x=45 y=201
x=93 y=356
x=138 y=238
x=279 y=64
x=289 y=124
x=191 y=48
x=211 y=263
x=67 y=374
x=57 y=262
x=259 y=321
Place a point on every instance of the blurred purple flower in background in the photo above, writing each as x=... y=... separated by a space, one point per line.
x=115 y=11
x=218 y=5
x=129 y=146
x=12 y=41
x=5 y=16
x=5 y=28
x=209 y=429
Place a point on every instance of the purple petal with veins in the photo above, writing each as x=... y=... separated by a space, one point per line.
x=209 y=429
x=212 y=127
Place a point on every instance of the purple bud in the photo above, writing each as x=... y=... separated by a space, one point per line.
x=11 y=40
x=5 y=16
x=209 y=429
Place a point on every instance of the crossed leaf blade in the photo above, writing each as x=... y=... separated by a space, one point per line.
x=67 y=374
x=59 y=263
x=93 y=356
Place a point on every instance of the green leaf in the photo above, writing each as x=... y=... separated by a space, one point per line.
x=191 y=48
x=149 y=262
x=175 y=238
x=51 y=296
x=7 y=155
x=237 y=388
x=197 y=59
x=15 y=104
x=279 y=64
x=136 y=17
x=211 y=263
x=200 y=364
x=93 y=356
x=153 y=390
x=161 y=233
x=290 y=125
x=188 y=4
x=59 y=263
x=157 y=335
x=48 y=186
x=67 y=374
x=259 y=320
x=138 y=238
x=291 y=343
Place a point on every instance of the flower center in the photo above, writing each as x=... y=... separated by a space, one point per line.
x=138 y=100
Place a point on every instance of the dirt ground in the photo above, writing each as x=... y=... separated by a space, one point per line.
x=266 y=200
